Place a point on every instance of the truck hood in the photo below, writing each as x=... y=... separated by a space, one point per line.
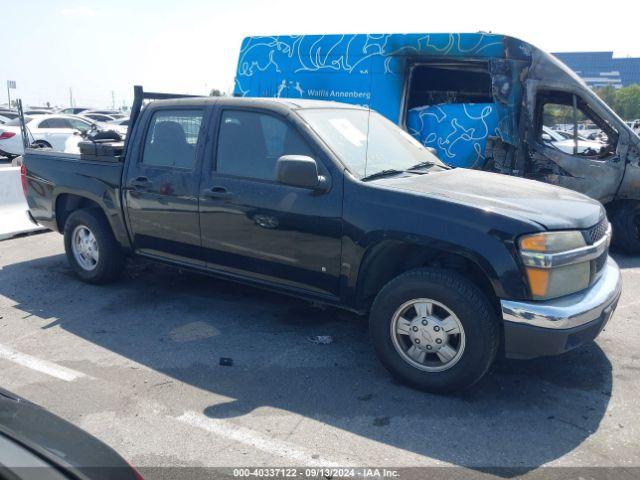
x=554 y=208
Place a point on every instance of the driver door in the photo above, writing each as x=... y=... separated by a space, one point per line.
x=255 y=227
x=592 y=167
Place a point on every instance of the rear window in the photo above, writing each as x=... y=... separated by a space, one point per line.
x=55 y=122
x=172 y=138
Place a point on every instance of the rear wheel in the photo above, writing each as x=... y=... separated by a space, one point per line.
x=626 y=228
x=434 y=330
x=92 y=250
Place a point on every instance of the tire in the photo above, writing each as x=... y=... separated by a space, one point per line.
x=103 y=267
x=626 y=228
x=449 y=293
x=42 y=144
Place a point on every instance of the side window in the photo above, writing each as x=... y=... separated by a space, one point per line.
x=172 y=137
x=55 y=123
x=561 y=114
x=250 y=143
x=79 y=124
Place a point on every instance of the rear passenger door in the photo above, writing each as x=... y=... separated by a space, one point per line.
x=161 y=187
x=255 y=227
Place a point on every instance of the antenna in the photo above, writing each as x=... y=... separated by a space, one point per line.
x=23 y=126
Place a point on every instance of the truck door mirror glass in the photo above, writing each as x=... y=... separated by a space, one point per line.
x=299 y=171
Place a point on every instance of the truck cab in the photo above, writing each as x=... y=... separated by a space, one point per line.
x=480 y=100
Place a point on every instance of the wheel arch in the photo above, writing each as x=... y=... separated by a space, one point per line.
x=387 y=259
x=67 y=203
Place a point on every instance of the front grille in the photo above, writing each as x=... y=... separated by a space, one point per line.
x=596 y=233
x=592 y=235
x=601 y=261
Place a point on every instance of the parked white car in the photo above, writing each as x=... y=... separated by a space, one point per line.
x=566 y=145
x=10 y=114
x=586 y=130
x=34 y=112
x=120 y=125
x=74 y=110
x=98 y=117
x=45 y=130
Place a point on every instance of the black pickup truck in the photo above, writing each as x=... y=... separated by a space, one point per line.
x=335 y=204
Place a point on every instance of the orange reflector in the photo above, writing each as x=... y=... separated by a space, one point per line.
x=538 y=281
x=536 y=243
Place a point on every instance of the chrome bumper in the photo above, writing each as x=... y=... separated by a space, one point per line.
x=572 y=310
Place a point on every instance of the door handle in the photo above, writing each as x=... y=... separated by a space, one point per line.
x=140 y=183
x=217 y=192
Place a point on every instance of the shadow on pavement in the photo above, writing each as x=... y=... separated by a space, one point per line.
x=523 y=414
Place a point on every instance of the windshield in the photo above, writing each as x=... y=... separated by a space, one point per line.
x=366 y=142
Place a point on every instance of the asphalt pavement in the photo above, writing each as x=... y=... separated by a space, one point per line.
x=138 y=364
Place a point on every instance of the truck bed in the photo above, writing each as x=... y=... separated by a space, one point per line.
x=54 y=177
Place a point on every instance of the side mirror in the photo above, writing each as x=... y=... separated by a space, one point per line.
x=300 y=171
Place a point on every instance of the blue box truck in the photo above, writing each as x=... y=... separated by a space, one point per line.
x=480 y=100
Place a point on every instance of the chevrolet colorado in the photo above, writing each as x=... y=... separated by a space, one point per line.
x=335 y=204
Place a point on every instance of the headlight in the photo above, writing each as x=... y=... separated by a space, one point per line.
x=552 y=242
x=557 y=263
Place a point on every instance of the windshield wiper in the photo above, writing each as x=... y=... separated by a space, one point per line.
x=426 y=163
x=382 y=173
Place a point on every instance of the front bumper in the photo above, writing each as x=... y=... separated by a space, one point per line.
x=540 y=328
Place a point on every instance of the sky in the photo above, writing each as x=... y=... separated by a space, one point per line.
x=100 y=49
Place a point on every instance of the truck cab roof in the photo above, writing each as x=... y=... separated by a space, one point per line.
x=264 y=102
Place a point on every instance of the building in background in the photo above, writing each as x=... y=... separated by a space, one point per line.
x=601 y=69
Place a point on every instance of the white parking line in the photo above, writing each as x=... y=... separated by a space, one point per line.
x=43 y=366
x=254 y=439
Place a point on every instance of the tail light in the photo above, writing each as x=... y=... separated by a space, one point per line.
x=6 y=135
x=23 y=178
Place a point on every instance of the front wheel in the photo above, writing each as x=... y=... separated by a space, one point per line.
x=434 y=330
x=92 y=250
x=626 y=228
